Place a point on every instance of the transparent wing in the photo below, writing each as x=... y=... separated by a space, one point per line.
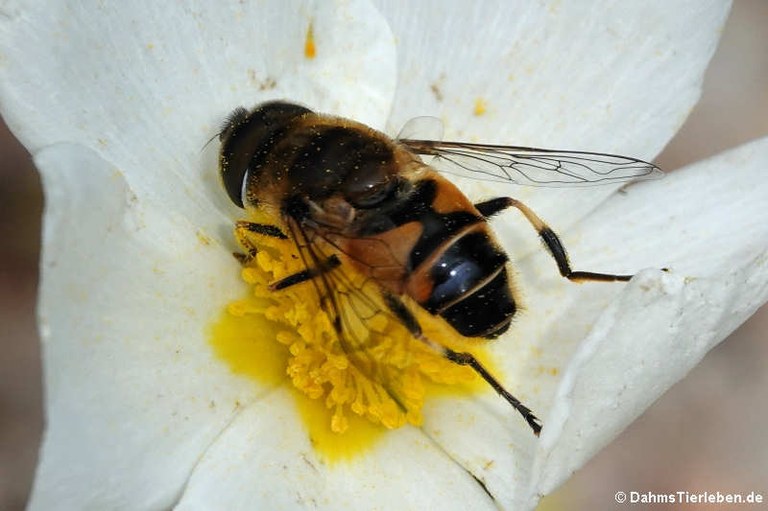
x=349 y=300
x=355 y=307
x=422 y=128
x=531 y=166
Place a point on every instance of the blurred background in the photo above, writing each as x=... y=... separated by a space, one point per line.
x=720 y=406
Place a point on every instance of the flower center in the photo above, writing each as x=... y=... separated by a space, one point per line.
x=372 y=378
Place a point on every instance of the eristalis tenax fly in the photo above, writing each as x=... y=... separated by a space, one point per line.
x=354 y=201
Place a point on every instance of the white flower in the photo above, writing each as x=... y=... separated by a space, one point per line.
x=115 y=102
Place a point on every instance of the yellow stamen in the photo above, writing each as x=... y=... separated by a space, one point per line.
x=377 y=379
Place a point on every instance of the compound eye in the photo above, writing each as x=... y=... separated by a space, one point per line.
x=247 y=136
x=370 y=194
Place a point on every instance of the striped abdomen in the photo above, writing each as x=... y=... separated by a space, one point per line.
x=453 y=267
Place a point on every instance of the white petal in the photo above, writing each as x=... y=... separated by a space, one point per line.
x=655 y=329
x=616 y=77
x=133 y=392
x=147 y=84
x=133 y=273
x=709 y=222
x=165 y=237
x=263 y=461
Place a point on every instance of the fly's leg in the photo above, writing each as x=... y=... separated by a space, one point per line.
x=551 y=240
x=244 y=229
x=329 y=264
x=407 y=318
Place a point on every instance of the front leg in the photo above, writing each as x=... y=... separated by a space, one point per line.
x=243 y=232
x=329 y=264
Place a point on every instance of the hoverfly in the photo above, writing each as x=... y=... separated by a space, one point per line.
x=353 y=199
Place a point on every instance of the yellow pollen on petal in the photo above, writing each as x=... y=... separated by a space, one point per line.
x=310 y=50
x=348 y=391
x=481 y=106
